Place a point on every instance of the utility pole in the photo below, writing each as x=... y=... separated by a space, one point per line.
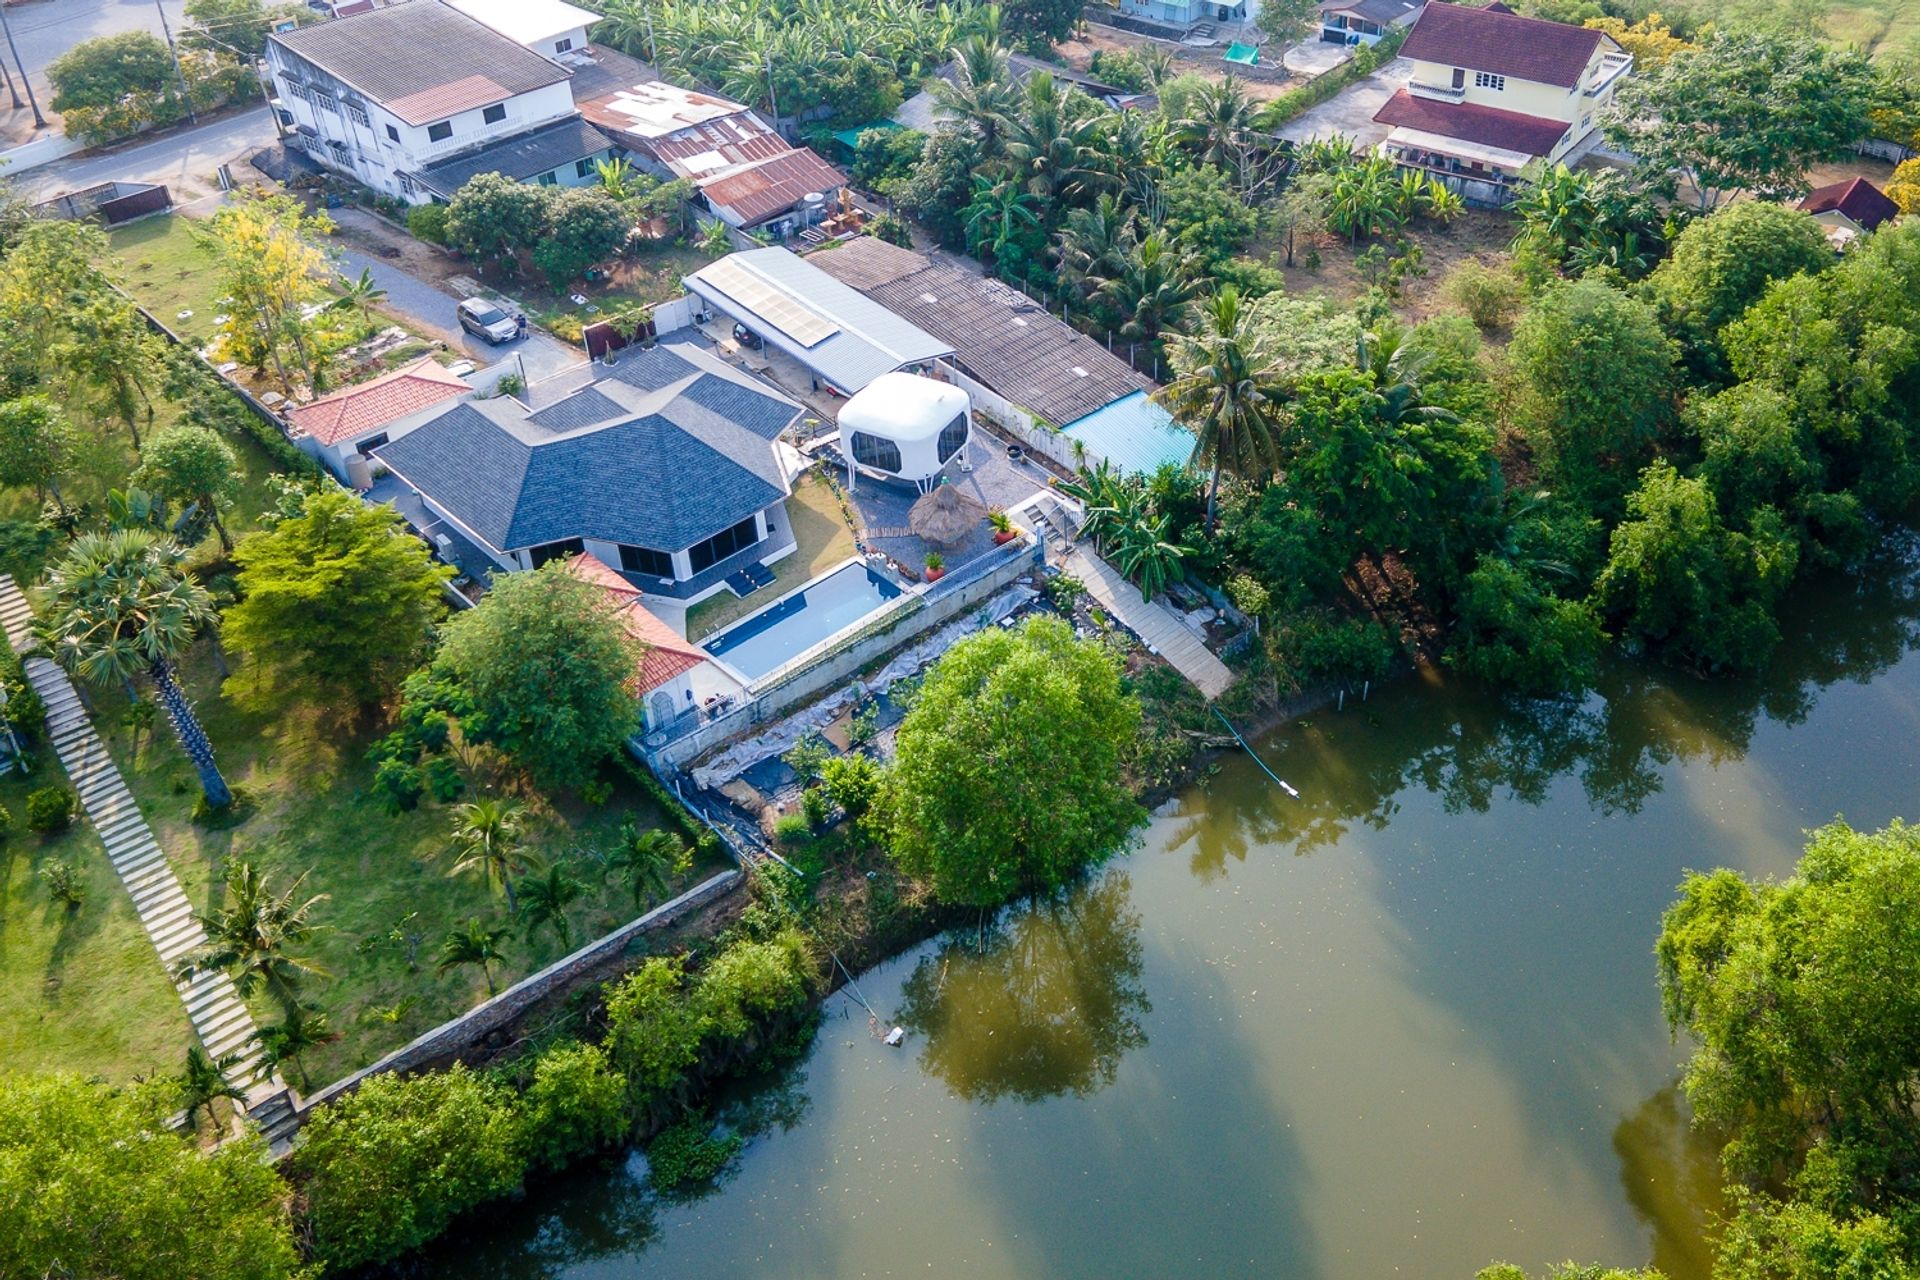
x=775 y=106
x=11 y=87
x=186 y=94
x=39 y=120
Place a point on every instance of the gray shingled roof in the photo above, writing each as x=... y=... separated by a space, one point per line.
x=413 y=47
x=666 y=449
x=520 y=157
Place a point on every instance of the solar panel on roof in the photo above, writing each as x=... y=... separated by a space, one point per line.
x=802 y=324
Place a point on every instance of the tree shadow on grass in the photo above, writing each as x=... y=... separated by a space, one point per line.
x=74 y=925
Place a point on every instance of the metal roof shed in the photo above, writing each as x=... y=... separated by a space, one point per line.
x=843 y=338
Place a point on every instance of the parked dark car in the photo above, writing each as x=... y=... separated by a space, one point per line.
x=746 y=337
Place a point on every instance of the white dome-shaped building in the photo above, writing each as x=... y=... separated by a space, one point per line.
x=902 y=426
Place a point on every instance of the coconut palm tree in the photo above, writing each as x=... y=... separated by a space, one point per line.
x=302 y=1027
x=648 y=860
x=1388 y=357
x=981 y=93
x=1050 y=145
x=361 y=295
x=995 y=215
x=121 y=603
x=1095 y=242
x=1154 y=286
x=545 y=900
x=1218 y=122
x=474 y=943
x=249 y=937
x=489 y=836
x=1227 y=393
x=204 y=1082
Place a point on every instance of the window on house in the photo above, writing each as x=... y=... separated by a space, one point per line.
x=298 y=90
x=548 y=179
x=358 y=113
x=373 y=442
x=393 y=134
x=407 y=185
x=705 y=555
x=555 y=550
x=326 y=101
x=952 y=436
x=562 y=46
x=494 y=114
x=1488 y=80
x=583 y=168
x=876 y=451
x=646 y=560
x=440 y=132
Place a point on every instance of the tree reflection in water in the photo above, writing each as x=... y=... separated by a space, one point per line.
x=1045 y=1002
x=1671 y=1176
x=1470 y=749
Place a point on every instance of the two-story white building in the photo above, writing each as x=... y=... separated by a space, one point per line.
x=553 y=28
x=414 y=99
x=1493 y=92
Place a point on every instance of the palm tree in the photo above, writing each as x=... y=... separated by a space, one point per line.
x=1388 y=357
x=981 y=93
x=1050 y=143
x=1095 y=242
x=474 y=943
x=303 y=1027
x=489 y=837
x=649 y=861
x=361 y=295
x=546 y=901
x=1217 y=122
x=1144 y=553
x=121 y=603
x=1228 y=394
x=1153 y=287
x=204 y=1082
x=249 y=936
x=995 y=216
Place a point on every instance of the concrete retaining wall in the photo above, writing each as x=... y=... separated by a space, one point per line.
x=449 y=1039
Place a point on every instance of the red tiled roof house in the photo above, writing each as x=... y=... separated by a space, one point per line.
x=1493 y=92
x=353 y=421
x=1849 y=210
x=675 y=676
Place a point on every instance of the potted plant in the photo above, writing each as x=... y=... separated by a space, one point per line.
x=936 y=566
x=1003 y=530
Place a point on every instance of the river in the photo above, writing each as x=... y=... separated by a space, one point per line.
x=1404 y=1025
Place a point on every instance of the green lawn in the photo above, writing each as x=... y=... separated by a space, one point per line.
x=80 y=990
x=823 y=541
x=649 y=277
x=306 y=776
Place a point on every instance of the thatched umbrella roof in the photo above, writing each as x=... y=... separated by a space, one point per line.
x=945 y=516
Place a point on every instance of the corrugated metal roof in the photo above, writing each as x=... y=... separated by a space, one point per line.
x=1134 y=434
x=771 y=187
x=872 y=340
x=415 y=48
x=999 y=335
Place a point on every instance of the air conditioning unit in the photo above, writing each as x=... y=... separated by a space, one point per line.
x=445 y=546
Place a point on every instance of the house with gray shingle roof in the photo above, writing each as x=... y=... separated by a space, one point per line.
x=415 y=98
x=667 y=466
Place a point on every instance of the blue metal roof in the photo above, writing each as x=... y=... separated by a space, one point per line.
x=1134 y=434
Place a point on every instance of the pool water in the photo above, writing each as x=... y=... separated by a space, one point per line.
x=800 y=620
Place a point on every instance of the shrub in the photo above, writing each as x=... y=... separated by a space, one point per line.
x=64 y=883
x=791 y=830
x=1316 y=648
x=576 y=1104
x=688 y=1154
x=25 y=712
x=428 y=222
x=400 y=785
x=852 y=782
x=1488 y=297
x=816 y=808
x=387 y=1167
x=653 y=1032
x=753 y=980
x=50 y=809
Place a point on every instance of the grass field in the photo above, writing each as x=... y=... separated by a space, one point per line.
x=1885 y=28
x=822 y=539
x=647 y=278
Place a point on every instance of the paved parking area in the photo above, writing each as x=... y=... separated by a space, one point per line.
x=1315 y=57
x=1349 y=113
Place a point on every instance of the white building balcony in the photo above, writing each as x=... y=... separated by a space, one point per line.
x=1613 y=68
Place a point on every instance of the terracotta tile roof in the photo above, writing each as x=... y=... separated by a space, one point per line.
x=1469 y=122
x=668 y=654
x=354 y=411
x=445 y=100
x=1502 y=42
x=772 y=186
x=1860 y=200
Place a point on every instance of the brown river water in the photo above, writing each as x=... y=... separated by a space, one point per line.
x=1404 y=1025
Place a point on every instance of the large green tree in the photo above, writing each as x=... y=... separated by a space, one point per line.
x=585 y=226
x=387 y=1167
x=107 y=70
x=36 y=443
x=93 y=1183
x=1515 y=633
x=188 y=464
x=1723 y=263
x=1747 y=111
x=493 y=217
x=1596 y=380
x=542 y=668
x=335 y=602
x=1008 y=773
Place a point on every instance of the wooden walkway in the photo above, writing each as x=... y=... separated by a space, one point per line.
x=213 y=1006
x=1162 y=632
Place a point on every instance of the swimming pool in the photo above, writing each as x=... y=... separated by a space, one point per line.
x=801 y=619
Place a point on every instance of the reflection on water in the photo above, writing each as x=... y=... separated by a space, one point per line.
x=1042 y=1003
x=1403 y=1025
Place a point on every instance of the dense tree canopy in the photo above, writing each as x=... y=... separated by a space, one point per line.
x=1721 y=265
x=336 y=601
x=92 y=1183
x=1008 y=773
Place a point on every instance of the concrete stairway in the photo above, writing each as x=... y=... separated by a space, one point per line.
x=218 y=1016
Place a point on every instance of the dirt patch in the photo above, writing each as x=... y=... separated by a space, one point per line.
x=1481 y=235
x=1261 y=82
x=374 y=237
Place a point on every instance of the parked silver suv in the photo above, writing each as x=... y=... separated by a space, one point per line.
x=485 y=320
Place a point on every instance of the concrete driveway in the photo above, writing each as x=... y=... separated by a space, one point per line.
x=1311 y=58
x=429 y=310
x=1349 y=113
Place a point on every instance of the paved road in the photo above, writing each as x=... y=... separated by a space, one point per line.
x=430 y=309
x=45 y=29
x=185 y=161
